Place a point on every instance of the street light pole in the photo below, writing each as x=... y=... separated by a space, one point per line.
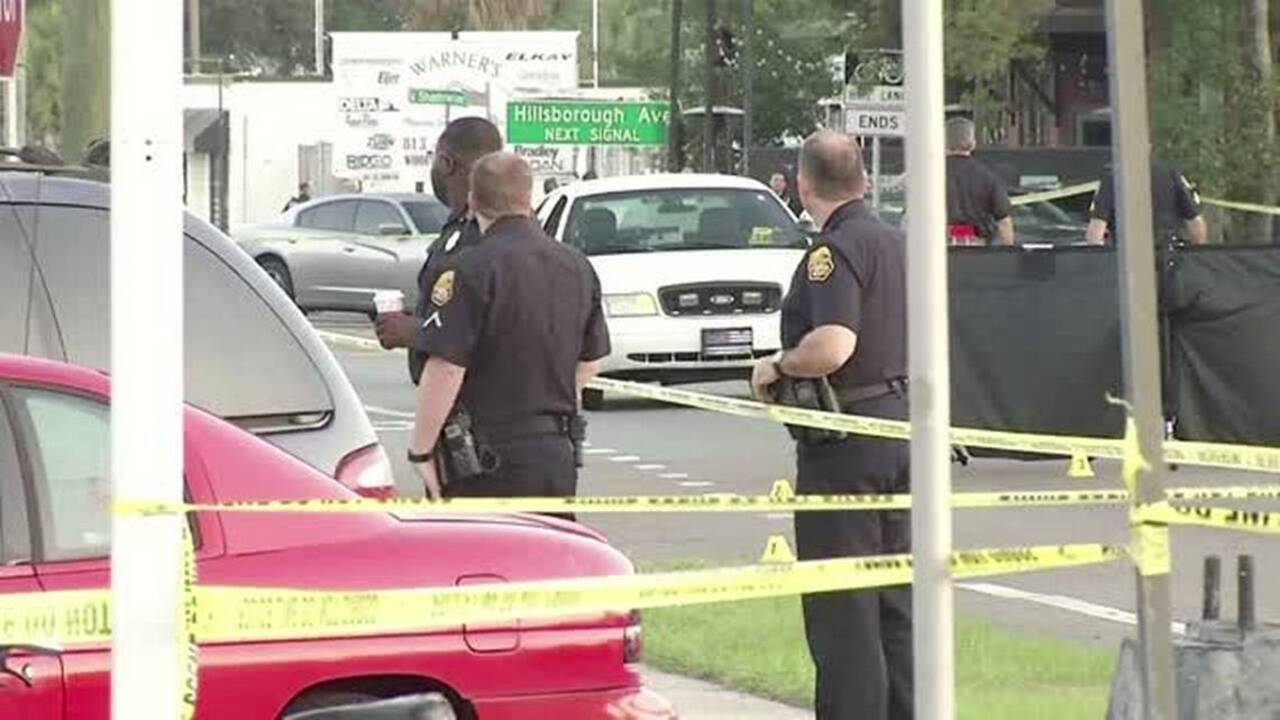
x=319 y=38
x=708 y=118
x=674 y=134
x=930 y=370
x=748 y=81
x=1139 y=315
x=146 y=355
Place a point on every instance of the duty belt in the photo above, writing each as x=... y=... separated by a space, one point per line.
x=864 y=393
x=491 y=433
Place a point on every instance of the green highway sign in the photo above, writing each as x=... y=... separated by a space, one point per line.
x=425 y=96
x=587 y=122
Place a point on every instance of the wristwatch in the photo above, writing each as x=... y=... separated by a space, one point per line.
x=418 y=459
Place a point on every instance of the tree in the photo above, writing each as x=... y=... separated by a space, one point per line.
x=44 y=72
x=475 y=14
x=86 y=76
x=1213 y=106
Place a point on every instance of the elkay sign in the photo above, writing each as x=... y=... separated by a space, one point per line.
x=410 y=85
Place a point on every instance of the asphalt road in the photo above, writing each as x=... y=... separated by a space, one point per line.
x=639 y=447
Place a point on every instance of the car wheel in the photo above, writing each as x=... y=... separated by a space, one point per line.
x=592 y=399
x=325 y=699
x=279 y=273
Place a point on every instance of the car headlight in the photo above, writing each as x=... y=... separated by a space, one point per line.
x=630 y=305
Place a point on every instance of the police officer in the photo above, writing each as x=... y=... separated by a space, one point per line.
x=513 y=331
x=978 y=208
x=1175 y=208
x=844 y=319
x=463 y=142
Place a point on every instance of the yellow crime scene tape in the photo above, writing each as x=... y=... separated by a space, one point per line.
x=225 y=614
x=1246 y=207
x=1050 y=195
x=1236 y=457
x=1211 y=517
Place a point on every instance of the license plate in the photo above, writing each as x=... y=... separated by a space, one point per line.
x=722 y=342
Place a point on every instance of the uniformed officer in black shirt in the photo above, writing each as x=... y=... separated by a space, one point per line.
x=463 y=142
x=978 y=208
x=844 y=319
x=1175 y=208
x=513 y=331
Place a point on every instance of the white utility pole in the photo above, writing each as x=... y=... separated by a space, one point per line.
x=930 y=363
x=146 y=354
x=320 y=38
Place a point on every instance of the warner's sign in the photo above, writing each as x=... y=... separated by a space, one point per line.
x=11 y=17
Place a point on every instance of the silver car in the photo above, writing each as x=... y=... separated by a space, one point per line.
x=335 y=252
x=251 y=357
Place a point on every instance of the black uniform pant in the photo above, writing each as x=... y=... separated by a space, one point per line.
x=860 y=640
x=532 y=466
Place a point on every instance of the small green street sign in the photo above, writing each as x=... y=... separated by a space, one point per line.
x=426 y=96
x=587 y=122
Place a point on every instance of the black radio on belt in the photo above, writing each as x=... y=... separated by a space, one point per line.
x=809 y=394
x=578 y=435
x=461 y=456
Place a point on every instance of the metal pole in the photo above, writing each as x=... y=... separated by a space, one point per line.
x=708 y=118
x=929 y=343
x=1139 y=317
x=875 y=171
x=146 y=354
x=676 y=123
x=595 y=42
x=193 y=24
x=320 y=38
x=12 y=117
x=748 y=81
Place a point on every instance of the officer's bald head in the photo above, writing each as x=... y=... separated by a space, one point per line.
x=501 y=186
x=469 y=138
x=831 y=168
x=962 y=136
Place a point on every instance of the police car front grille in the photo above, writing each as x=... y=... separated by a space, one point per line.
x=727 y=298
x=694 y=357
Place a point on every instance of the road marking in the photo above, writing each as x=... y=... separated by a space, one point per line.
x=1062 y=602
x=651 y=466
x=777 y=516
x=598 y=451
x=674 y=476
x=625 y=458
x=389 y=412
x=697 y=483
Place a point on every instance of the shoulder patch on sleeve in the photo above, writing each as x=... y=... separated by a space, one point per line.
x=442 y=291
x=821 y=264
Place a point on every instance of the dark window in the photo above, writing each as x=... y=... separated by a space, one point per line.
x=429 y=217
x=339 y=215
x=663 y=220
x=553 y=220
x=27 y=322
x=74 y=255
x=69 y=447
x=15 y=542
x=242 y=360
x=373 y=214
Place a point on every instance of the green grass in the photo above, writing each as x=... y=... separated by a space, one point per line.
x=758 y=647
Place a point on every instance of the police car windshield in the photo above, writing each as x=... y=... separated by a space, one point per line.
x=645 y=221
x=429 y=217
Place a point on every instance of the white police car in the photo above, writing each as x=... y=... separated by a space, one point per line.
x=693 y=270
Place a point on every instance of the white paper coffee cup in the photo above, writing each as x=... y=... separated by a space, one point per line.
x=388 y=301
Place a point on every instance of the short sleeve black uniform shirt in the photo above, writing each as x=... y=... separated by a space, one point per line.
x=976 y=196
x=1174 y=201
x=855 y=276
x=519 y=312
x=459 y=233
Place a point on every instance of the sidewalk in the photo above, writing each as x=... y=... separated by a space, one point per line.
x=698 y=700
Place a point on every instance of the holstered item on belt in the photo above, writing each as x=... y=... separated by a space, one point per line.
x=815 y=394
x=578 y=435
x=460 y=452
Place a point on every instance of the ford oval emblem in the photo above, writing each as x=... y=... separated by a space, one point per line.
x=722 y=300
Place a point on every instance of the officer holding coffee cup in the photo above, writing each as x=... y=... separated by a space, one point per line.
x=463 y=142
